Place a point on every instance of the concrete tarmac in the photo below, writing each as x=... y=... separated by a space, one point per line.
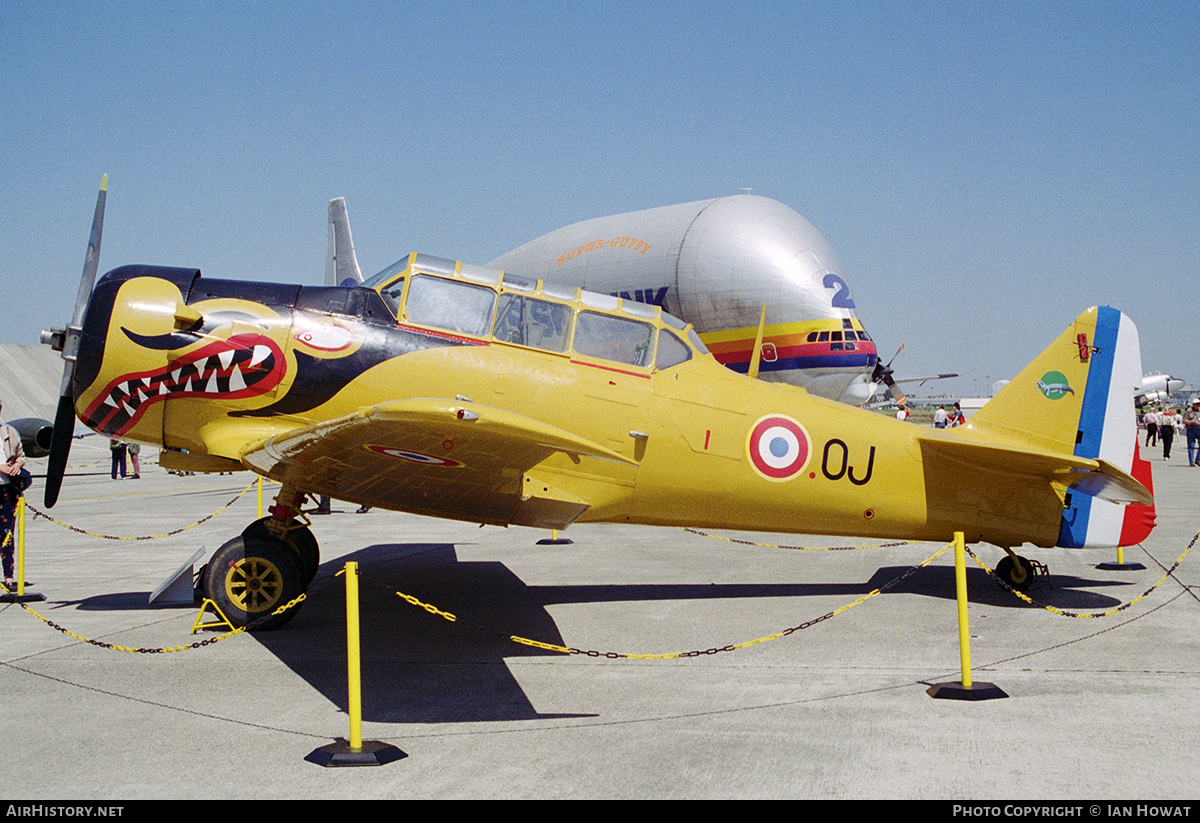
x=1101 y=708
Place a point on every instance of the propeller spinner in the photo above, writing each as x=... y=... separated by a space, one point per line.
x=67 y=341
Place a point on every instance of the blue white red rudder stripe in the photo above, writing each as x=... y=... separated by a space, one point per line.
x=1108 y=431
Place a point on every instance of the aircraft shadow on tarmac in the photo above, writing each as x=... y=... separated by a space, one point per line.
x=419 y=668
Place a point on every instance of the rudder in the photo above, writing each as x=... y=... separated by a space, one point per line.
x=1076 y=398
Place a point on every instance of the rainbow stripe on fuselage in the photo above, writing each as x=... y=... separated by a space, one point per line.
x=801 y=347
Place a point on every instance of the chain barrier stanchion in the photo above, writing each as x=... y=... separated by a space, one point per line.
x=19 y=595
x=963 y=689
x=354 y=752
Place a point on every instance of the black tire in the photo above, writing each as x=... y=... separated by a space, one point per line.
x=249 y=577
x=301 y=540
x=1006 y=570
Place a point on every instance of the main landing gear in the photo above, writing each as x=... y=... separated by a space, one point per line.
x=270 y=564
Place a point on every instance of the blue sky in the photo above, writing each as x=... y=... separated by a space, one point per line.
x=984 y=170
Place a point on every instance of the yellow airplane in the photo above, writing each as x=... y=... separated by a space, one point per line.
x=445 y=389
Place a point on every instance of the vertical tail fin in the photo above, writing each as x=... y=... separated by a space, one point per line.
x=1076 y=398
x=340 y=262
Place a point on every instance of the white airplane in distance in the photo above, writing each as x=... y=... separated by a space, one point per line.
x=1157 y=388
x=715 y=263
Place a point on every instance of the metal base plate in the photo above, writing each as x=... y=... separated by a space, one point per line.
x=339 y=753
x=955 y=690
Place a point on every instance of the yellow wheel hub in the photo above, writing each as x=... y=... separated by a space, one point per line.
x=254 y=585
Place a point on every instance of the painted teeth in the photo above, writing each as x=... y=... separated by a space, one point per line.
x=236 y=381
x=217 y=374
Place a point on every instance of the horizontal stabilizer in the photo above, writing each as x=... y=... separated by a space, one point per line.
x=1107 y=482
x=1097 y=478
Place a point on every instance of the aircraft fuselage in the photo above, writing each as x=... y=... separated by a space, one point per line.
x=220 y=373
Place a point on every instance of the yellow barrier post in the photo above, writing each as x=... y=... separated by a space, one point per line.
x=354 y=752
x=555 y=540
x=1120 y=565
x=960 y=594
x=260 y=497
x=19 y=596
x=21 y=545
x=963 y=689
x=353 y=661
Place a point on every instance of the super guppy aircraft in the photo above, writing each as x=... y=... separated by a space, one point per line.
x=715 y=263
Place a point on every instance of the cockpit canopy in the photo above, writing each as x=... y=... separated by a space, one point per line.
x=472 y=301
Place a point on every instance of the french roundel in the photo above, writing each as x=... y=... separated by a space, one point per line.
x=416 y=457
x=779 y=447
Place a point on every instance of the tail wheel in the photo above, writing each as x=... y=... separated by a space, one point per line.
x=301 y=539
x=1017 y=573
x=250 y=577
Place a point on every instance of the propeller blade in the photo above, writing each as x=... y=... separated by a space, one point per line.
x=64 y=417
x=883 y=374
x=60 y=449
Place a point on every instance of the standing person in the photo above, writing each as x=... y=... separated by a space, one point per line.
x=1166 y=430
x=940 y=418
x=956 y=417
x=1151 y=421
x=1191 y=428
x=135 y=449
x=117 y=448
x=902 y=412
x=12 y=460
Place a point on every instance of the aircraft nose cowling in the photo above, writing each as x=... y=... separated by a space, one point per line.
x=129 y=306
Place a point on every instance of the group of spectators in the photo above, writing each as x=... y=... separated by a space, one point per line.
x=1162 y=425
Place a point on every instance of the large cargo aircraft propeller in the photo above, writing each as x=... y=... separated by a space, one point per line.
x=67 y=341
x=883 y=374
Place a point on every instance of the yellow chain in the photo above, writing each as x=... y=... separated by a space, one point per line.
x=38 y=513
x=159 y=650
x=553 y=647
x=1087 y=615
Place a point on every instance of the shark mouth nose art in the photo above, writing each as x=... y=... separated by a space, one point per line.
x=245 y=365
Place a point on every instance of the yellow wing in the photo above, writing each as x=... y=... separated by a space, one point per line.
x=435 y=457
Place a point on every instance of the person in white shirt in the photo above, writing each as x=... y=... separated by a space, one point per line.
x=1151 y=421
